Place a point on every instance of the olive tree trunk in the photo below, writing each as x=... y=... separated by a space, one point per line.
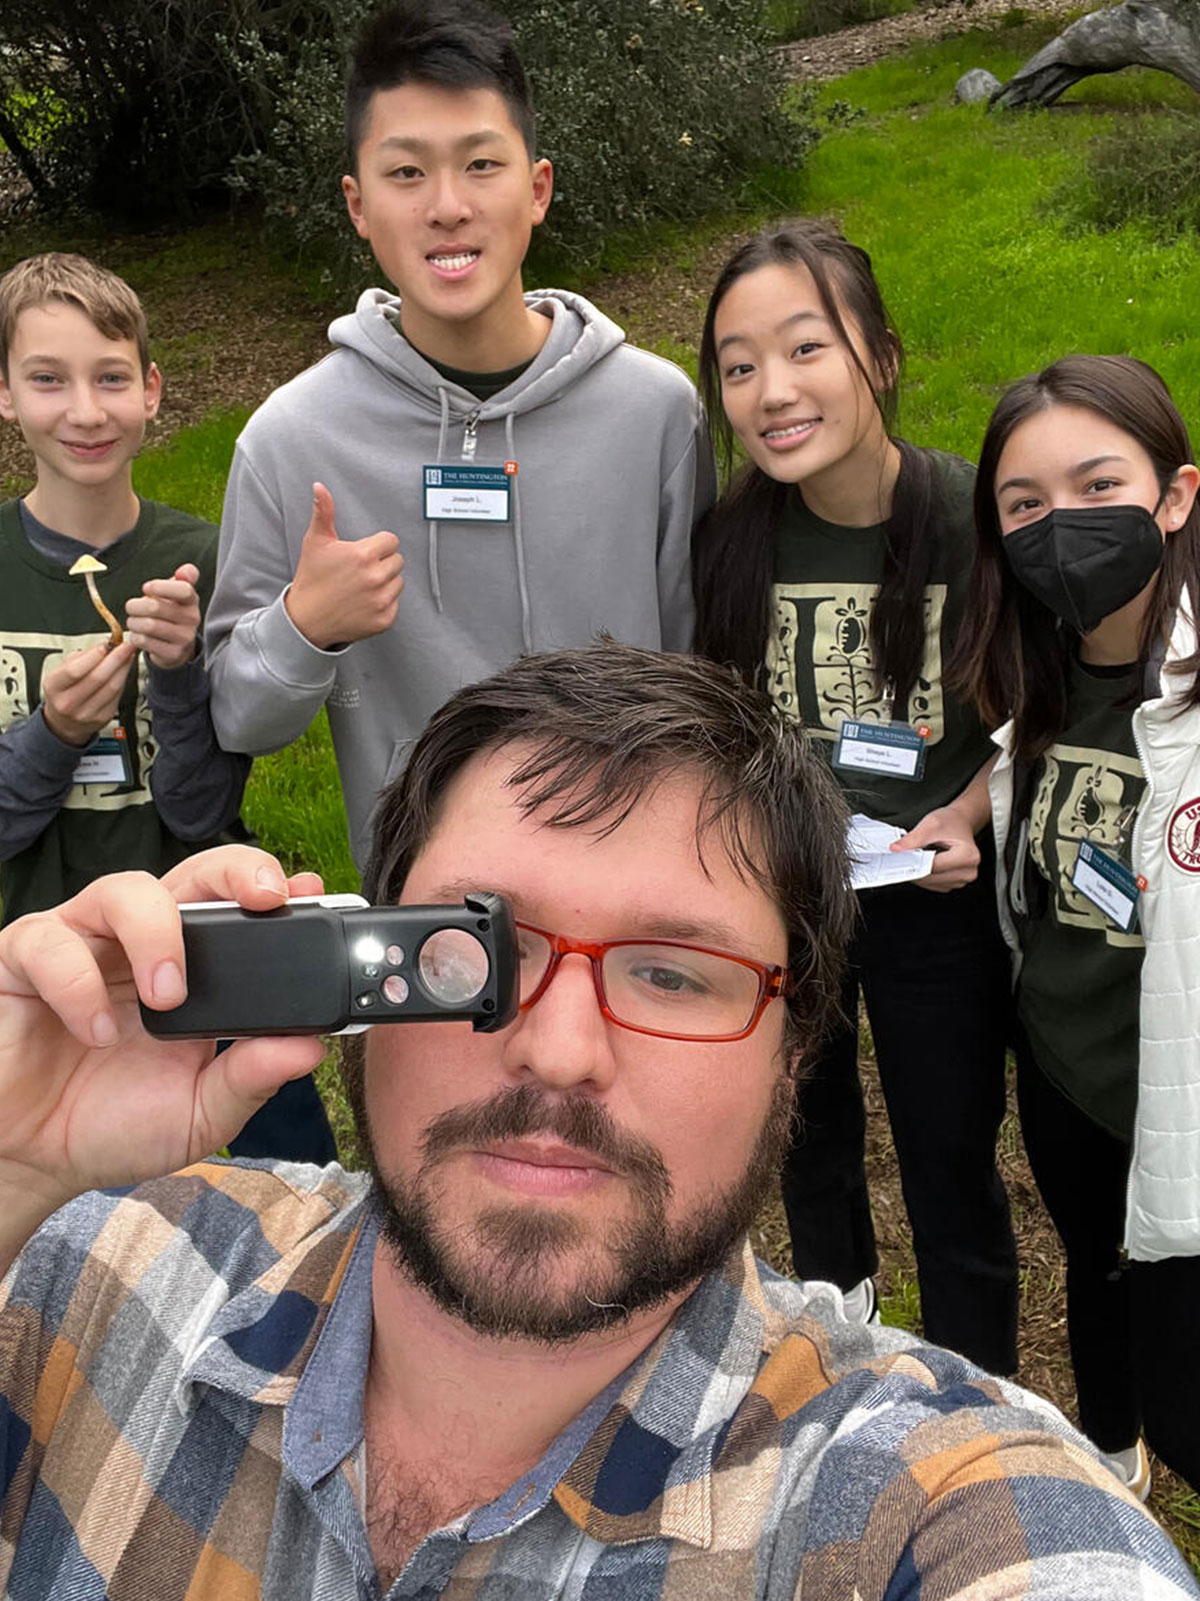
x=1127 y=35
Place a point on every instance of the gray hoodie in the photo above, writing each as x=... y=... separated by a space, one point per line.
x=614 y=467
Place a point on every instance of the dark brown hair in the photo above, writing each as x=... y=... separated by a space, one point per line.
x=733 y=548
x=1012 y=660
x=599 y=726
x=452 y=44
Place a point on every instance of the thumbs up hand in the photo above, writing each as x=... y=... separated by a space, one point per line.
x=343 y=589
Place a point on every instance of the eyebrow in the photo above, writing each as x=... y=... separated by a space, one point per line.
x=688 y=930
x=423 y=147
x=691 y=933
x=33 y=359
x=796 y=316
x=1075 y=472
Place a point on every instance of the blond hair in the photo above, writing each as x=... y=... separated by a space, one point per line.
x=106 y=300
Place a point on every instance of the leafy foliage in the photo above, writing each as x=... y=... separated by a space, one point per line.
x=127 y=106
x=652 y=110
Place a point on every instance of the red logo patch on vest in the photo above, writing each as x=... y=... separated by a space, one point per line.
x=1183 y=836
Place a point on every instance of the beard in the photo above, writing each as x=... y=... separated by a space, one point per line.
x=524 y=1271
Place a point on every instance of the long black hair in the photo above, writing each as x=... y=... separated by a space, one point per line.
x=733 y=549
x=1012 y=662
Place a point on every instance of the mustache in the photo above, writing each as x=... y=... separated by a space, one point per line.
x=524 y=1110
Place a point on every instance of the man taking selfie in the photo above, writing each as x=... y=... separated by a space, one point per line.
x=531 y=1354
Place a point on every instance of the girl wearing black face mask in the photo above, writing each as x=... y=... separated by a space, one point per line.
x=1083 y=632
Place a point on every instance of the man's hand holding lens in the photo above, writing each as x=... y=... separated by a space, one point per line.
x=90 y=1100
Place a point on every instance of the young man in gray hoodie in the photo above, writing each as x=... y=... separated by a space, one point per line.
x=535 y=477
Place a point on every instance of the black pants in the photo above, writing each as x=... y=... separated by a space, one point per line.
x=291 y=1126
x=1133 y=1328
x=935 y=977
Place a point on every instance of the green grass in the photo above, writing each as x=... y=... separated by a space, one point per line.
x=183 y=353
x=902 y=1308
x=1180 y=1510
x=294 y=805
x=191 y=470
x=963 y=214
x=682 y=355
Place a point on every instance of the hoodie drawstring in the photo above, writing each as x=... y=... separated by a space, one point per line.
x=518 y=541
x=435 y=582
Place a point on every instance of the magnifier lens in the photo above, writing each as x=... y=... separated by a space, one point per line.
x=453 y=966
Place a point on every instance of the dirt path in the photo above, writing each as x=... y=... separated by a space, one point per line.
x=831 y=54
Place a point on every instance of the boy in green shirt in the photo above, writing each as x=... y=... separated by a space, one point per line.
x=108 y=759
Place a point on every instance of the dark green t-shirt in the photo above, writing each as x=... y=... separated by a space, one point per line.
x=44 y=615
x=819 y=663
x=483 y=385
x=1078 y=993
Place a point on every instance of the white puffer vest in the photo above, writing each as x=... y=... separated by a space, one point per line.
x=1162 y=1214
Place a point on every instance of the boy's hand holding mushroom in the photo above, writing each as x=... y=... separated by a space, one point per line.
x=165 y=618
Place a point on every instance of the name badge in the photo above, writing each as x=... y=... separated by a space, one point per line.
x=106 y=761
x=1108 y=884
x=468 y=494
x=893 y=749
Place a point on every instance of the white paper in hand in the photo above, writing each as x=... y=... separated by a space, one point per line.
x=873 y=864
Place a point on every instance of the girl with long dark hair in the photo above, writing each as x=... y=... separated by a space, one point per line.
x=834 y=571
x=1083 y=633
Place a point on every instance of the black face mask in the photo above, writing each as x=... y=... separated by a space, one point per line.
x=1086 y=562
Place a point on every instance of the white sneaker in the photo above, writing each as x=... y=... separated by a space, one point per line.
x=861 y=1304
x=1132 y=1467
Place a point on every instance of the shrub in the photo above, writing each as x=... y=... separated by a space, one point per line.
x=127 y=106
x=652 y=110
x=1147 y=171
x=649 y=109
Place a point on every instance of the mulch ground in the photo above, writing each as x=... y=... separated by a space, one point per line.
x=257 y=333
x=832 y=54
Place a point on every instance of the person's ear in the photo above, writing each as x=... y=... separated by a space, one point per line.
x=153 y=390
x=354 y=205
x=793 y=1066
x=543 y=189
x=1181 y=496
x=7 y=410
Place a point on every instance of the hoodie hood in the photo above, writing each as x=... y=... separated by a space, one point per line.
x=580 y=336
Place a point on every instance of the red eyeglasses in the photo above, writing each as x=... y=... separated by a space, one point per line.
x=663 y=987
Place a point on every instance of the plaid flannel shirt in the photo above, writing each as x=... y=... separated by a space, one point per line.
x=181 y=1377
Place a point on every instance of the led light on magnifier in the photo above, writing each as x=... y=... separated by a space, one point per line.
x=368 y=949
